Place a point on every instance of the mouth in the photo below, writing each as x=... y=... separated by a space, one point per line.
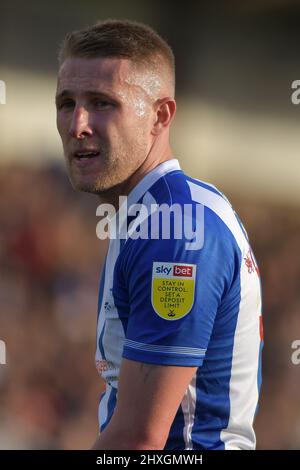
x=85 y=155
x=86 y=159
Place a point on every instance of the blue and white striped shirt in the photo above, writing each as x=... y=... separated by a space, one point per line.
x=162 y=303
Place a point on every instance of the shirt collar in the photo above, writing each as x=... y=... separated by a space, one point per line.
x=145 y=184
x=150 y=179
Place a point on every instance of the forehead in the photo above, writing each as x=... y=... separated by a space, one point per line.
x=78 y=73
x=114 y=75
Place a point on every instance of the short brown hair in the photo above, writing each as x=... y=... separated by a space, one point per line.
x=119 y=38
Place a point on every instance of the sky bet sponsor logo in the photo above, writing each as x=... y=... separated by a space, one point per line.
x=175 y=270
x=173 y=289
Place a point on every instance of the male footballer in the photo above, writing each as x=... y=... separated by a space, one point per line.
x=179 y=333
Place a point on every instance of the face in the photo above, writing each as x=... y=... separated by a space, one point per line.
x=105 y=115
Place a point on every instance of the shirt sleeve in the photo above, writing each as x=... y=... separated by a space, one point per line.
x=173 y=294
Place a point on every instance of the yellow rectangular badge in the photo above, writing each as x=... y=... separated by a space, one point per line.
x=173 y=289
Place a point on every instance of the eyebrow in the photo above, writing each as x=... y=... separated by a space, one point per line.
x=90 y=93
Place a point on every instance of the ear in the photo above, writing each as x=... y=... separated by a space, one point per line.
x=165 y=109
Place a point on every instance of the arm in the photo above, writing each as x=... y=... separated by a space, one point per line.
x=148 y=399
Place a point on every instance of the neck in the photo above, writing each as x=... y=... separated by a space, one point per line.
x=123 y=189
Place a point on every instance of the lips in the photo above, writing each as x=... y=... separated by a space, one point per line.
x=86 y=154
x=86 y=158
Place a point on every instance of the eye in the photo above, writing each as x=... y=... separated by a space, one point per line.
x=65 y=104
x=102 y=103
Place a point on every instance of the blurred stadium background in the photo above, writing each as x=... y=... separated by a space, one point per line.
x=236 y=127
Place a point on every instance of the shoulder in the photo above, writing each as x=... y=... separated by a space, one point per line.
x=219 y=217
x=205 y=215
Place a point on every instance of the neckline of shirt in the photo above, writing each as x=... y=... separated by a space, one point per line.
x=148 y=181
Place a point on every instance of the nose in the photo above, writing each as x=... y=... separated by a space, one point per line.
x=80 y=125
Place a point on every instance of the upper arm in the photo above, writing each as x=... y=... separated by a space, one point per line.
x=148 y=398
